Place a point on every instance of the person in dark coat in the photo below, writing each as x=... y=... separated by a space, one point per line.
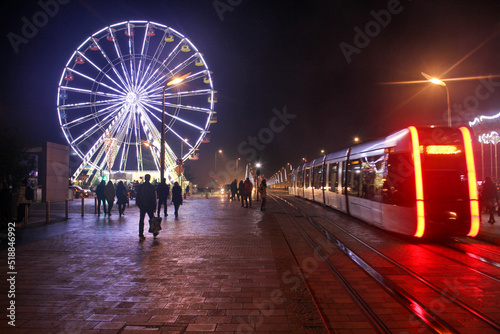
x=121 y=197
x=490 y=197
x=109 y=194
x=163 y=192
x=263 y=194
x=146 y=201
x=177 y=198
x=248 y=192
x=234 y=189
x=99 y=192
x=241 y=192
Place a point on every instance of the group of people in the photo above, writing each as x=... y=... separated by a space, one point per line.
x=149 y=199
x=106 y=193
x=147 y=196
x=243 y=191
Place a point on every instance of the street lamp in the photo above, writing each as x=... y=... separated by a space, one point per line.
x=437 y=81
x=174 y=81
x=215 y=164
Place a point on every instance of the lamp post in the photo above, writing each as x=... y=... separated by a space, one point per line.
x=215 y=165
x=437 y=81
x=172 y=82
x=182 y=146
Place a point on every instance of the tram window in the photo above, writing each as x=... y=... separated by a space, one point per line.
x=307 y=178
x=399 y=183
x=318 y=177
x=354 y=178
x=300 y=179
x=333 y=182
x=372 y=172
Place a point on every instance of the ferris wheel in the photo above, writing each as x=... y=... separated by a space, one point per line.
x=118 y=86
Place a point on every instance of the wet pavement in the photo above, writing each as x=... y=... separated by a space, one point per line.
x=216 y=268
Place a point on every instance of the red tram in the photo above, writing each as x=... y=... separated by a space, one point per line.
x=418 y=181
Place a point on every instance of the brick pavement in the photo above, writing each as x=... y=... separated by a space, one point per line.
x=215 y=269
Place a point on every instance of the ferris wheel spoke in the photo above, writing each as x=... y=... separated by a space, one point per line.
x=93 y=80
x=159 y=78
x=127 y=142
x=112 y=102
x=115 y=70
x=171 y=116
x=144 y=52
x=122 y=87
x=89 y=117
x=163 y=65
x=131 y=51
x=124 y=68
x=182 y=94
x=184 y=107
x=90 y=92
x=96 y=127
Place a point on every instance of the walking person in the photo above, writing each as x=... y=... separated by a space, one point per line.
x=248 y=192
x=163 y=192
x=99 y=192
x=146 y=201
x=490 y=197
x=121 y=197
x=234 y=189
x=177 y=198
x=241 y=192
x=109 y=194
x=263 y=194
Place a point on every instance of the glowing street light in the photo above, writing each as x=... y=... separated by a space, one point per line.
x=437 y=81
x=356 y=139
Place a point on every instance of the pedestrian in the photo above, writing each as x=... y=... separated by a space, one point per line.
x=187 y=190
x=490 y=197
x=177 y=198
x=263 y=194
x=121 y=197
x=248 y=192
x=99 y=192
x=146 y=201
x=109 y=194
x=163 y=193
x=241 y=192
x=234 y=189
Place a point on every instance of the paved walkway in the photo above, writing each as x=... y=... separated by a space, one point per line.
x=216 y=268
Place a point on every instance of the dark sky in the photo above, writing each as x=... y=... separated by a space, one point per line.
x=306 y=56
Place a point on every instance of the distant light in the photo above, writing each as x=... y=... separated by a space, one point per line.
x=356 y=139
x=258 y=165
x=220 y=151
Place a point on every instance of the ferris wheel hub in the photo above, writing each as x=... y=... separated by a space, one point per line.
x=133 y=98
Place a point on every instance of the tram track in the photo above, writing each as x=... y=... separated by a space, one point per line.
x=428 y=318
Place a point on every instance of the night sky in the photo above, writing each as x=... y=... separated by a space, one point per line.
x=299 y=76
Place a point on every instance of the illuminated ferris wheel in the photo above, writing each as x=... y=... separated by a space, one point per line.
x=117 y=86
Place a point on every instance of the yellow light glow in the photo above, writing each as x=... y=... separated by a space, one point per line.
x=471 y=176
x=178 y=80
x=432 y=79
x=419 y=189
x=441 y=149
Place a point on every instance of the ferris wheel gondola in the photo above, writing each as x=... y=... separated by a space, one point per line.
x=113 y=90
